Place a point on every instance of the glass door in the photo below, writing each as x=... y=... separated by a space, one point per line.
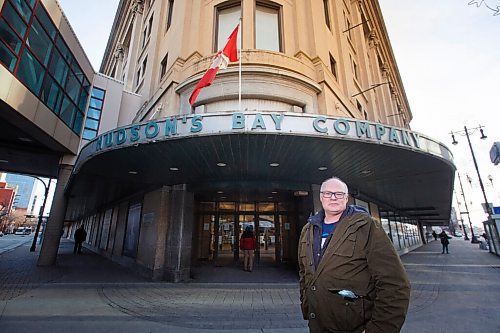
x=246 y=221
x=267 y=238
x=226 y=237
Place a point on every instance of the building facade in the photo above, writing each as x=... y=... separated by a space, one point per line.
x=161 y=185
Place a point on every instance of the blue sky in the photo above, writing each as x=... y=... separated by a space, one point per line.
x=448 y=55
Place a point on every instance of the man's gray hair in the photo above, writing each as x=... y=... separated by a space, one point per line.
x=346 y=189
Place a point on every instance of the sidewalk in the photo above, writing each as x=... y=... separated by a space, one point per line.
x=457 y=292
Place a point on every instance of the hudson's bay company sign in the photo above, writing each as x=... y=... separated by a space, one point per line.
x=254 y=122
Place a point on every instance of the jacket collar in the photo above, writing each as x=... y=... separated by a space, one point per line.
x=350 y=210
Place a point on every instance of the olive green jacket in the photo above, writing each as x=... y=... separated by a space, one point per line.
x=361 y=258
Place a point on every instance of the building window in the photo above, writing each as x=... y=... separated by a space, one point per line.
x=131 y=241
x=32 y=49
x=227 y=19
x=141 y=71
x=150 y=25
x=326 y=8
x=163 y=66
x=348 y=26
x=147 y=31
x=170 y=13
x=333 y=66
x=267 y=28
x=144 y=36
x=94 y=112
x=138 y=79
x=359 y=106
x=355 y=69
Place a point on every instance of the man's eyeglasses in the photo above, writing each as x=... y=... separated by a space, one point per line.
x=336 y=195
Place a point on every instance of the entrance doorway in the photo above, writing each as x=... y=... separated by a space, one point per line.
x=221 y=224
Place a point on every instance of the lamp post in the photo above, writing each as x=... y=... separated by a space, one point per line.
x=466 y=133
x=466 y=238
x=474 y=239
x=40 y=215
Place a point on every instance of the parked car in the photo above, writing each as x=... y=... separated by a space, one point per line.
x=23 y=231
x=458 y=234
x=1 y=233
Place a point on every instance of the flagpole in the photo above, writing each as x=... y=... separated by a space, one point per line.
x=239 y=69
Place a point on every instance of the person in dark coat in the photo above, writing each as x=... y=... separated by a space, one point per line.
x=444 y=241
x=434 y=235
x=247 y=245
x=351 y=277
x=80 y=236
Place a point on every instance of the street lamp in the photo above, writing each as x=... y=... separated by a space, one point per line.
x=474 y=239
x=461 y=218
x=40 y=215
x=466 y=133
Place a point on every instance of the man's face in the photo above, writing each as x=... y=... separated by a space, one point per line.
x=333 y=206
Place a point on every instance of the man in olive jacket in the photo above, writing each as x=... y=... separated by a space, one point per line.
x=351 y=278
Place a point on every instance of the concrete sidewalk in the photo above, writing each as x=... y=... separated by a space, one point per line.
x=457 y=292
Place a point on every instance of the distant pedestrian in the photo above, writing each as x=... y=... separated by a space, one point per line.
x=247 y=245
x=444 y=241
x=434 y=235
x=80 y=236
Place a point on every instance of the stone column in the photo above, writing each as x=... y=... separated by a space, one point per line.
x=119 y=55
x=52 y=232
x=179 y=238
x=162 y=232
x=134 y=48
x=316 y=198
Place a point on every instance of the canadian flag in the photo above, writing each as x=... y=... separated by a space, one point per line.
x=228 y=54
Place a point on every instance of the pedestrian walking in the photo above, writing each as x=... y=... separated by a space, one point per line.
x=351 y=278
x=434 y=235
x=444 y=241
x=80 y=236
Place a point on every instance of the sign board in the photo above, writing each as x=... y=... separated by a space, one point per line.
x=495 y=153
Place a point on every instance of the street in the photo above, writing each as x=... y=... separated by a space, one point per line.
x=456 y=293
x=11 y=241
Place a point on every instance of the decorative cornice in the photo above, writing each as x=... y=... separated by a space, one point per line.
x=137 y=7
x=373 y=40
x=119 y=51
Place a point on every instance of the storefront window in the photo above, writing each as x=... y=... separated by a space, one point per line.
x=227 y=206
x=207 y=206
x=387 y=229
x=131 y=241
x=246 y=207
x=266 y=207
